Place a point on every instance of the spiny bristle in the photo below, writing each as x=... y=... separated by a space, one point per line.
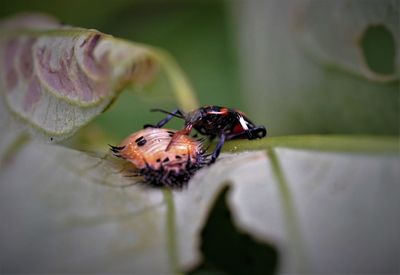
x=165 y=176
x=116 y=149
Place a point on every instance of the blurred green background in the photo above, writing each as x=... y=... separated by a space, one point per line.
x=297 y=67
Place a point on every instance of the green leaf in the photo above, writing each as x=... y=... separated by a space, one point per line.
x=326 y=67
x=349 y=49
x=56 y=78
x=321 y=212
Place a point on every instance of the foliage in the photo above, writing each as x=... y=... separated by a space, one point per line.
x=310 y=203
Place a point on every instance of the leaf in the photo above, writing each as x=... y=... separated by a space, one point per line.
x=56 y=78
x=345 y=48
x=325 y=67
x=76 y=216
x=324 y=212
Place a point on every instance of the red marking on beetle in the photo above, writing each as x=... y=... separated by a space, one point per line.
x=237 y=129
x=215 y=121
x=223 y=111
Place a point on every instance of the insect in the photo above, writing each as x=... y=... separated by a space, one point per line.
x=214 y=121
x=146 y=150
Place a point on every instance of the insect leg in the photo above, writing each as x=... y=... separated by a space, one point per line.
x=184 y=131
x=218 y=148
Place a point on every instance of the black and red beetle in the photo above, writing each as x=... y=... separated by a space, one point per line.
x=214 y=121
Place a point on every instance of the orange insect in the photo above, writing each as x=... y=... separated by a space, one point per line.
x=146 y=150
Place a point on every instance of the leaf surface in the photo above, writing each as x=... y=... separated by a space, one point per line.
x=312 y=66
x=56 y=78
x=76 y=212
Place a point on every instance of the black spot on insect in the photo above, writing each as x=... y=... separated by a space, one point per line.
x=214 y=121
x=170 y=133
x=140 y=141
x=154 y=166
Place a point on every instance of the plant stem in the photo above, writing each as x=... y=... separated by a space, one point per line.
x=172 y=249
x=181 y=87
x=336 y=143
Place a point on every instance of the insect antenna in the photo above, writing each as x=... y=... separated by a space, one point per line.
x=168 y=113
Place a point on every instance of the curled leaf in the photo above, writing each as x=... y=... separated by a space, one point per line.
x=57 y=78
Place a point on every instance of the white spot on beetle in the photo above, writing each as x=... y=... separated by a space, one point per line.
x=243 y=122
